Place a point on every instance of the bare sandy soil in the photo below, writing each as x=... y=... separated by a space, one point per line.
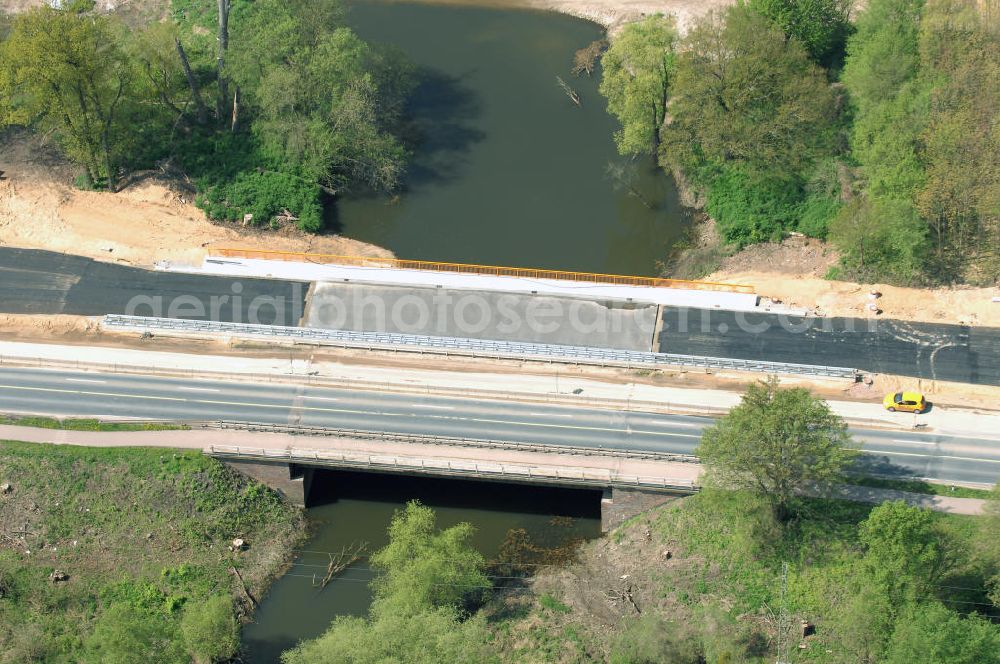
x=611 y=14
x=148 y=221
x=793 y=271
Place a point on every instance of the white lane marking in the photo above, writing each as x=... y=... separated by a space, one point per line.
x=84 y=380
x=914 y=442
x=342 y=410
x=197 y=389
x=430 y=405
x=309 y=396
x=929 y=456
x=550 y=415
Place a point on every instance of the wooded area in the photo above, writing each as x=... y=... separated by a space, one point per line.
x=784 y=115
x=264 y=105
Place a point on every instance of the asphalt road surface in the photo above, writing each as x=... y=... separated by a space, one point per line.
x=85 y=394
x=923 y=350
x=46 y=282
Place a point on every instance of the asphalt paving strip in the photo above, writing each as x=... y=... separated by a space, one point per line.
x=921 y=350
x=47 y=282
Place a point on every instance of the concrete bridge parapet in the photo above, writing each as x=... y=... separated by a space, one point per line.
x=291 y=480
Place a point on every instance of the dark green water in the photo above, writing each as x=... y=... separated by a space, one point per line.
x=351 y=508
x=507 y=170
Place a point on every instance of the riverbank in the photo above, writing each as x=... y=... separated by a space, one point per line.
x=705 y=578
x=110 y=553
x=611 y=14
x=794 y=271
x=153 y=218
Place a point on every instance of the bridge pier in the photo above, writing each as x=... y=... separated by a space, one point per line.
x=291 y=480
x=619 y=504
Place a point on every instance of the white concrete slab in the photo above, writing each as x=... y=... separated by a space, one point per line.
x=674 y=297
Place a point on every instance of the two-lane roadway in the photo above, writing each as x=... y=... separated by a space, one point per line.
x=64 y=393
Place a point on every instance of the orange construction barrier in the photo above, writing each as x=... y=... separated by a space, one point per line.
x=494 y=270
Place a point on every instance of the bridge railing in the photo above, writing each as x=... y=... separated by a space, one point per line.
x=455 y=467
x=454 y=441
x=490 y=270
x=469 y=347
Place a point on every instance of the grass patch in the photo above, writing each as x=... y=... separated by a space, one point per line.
x=87 y=424
x=549 y=602
x=919 y=486
x=141 y=533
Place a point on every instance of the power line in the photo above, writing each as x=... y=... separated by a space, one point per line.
x=488 y=562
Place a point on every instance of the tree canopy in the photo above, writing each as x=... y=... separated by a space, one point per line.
x=776 y=442
x=638 y=68
x=301 y=104
x=821 y=26
x=66 y=72
x=426 y=578
x=744 y=93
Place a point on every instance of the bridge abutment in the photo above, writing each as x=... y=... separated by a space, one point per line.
x=291 y=480
x=618 y=505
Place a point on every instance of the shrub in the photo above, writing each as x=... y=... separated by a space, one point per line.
x=209 y=630
x=750 y=208
x=266 y=195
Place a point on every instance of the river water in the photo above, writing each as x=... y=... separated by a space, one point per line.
x=350 y=508
x=507 y=170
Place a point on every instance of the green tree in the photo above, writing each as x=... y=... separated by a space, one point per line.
x=883 y=54
x=822 y=26
x=960 y=57
x=426 y=576
x=885 y=238
x=66 y=71
x=745 y=94
x=422 y=567
x=428 y=636
x=989 y=544
x=777 y=442
x=638 y=68
x=903 y=553
x=931 y=633
x=210 y=631
x=322 y=100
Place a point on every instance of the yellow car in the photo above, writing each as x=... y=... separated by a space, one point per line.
x=908 y=402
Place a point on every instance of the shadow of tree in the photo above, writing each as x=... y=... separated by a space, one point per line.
x=441 y=129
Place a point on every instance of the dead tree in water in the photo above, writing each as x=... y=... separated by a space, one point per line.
x=586 y=58
x=570 y=92
x=347 y=557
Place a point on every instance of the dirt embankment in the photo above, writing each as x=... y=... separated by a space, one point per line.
x=611 y=14
x=150 y=220
x=793 y=271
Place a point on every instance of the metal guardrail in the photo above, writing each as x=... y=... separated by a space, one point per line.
x=490 y=270
x=463 y=346
x=455 y=468
x=455 y=441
